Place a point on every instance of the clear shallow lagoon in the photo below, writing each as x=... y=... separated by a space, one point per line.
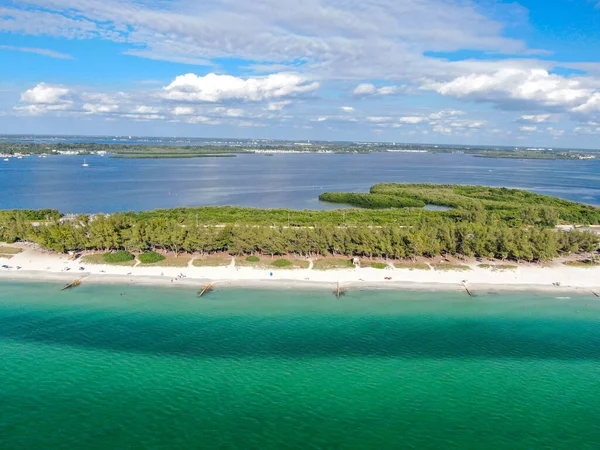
x=159 y=368
x=280 y=181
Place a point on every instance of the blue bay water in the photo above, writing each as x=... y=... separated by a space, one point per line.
x=159 y=368
x=281 y=181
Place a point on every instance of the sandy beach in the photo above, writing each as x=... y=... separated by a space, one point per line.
x=35 y=265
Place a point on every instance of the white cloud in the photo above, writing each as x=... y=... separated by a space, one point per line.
x=45 y=94
x=347 y=109
x=379 y=119
x=203 y=120
x=41 y=109
x=145 y=109
x=278 y=106
x=445 y=113
x=591 y=106
x=586 y=130
x=374 y=39
x=217 y=88
x=95 y=108
x=412 y=119
x=365 y=89
x=536 y=118
x=442 y=129
x=183 y=110
x=39 y=51
x=528 y=129
x=228 y=112
x=509 y=86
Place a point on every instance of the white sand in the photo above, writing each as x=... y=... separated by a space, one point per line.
x=42 y=266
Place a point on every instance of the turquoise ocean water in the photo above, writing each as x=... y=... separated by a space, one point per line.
x=107 y=367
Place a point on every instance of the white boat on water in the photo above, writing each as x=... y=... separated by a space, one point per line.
x=85 y=164
x=6 y=159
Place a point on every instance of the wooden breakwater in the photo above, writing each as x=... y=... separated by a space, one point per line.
x=339 y=290
x=471 y=294
x=206 y=289
x=72 y=284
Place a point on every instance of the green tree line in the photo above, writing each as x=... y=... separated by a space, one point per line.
x=486 y=222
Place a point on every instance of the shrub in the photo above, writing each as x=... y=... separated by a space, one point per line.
x=281 y=263
x=150 y=257
x=118 y=257
x=379 y=265
x=253 y=259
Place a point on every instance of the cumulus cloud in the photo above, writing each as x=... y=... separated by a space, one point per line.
x=216 y=88
x=147 y=105
x=347 y=109
x=365 y=89
x=45 y=94
x=514 y=87
x=591 y=106
x=183 y=110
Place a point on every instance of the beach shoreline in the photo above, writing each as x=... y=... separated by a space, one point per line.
x=38 y=266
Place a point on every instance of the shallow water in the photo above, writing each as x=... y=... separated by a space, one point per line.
x=159 y=368
x=281 y=181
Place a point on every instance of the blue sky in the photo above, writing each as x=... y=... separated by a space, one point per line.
x=521 y=73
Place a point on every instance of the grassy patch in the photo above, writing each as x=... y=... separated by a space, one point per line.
x=99 y=259
x=10 y=250
x=448 y=267
x=497 y=267
x=290 y=264
x=269 y=263
x=3 y=256
x=412 y=266
x=212 y=261
x=243 y=262
x=374 y=264
x=282 y=263
x=583 y=263
x=170 y=261
x=121 y=256
x=332 y=264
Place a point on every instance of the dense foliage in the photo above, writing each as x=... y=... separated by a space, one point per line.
x=486 y=222
x=371 y=201
x=150 y=257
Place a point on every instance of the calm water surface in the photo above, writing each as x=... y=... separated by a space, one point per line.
x=253 y=369
x=281 y=181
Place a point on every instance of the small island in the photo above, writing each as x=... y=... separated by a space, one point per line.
x=489 y=233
